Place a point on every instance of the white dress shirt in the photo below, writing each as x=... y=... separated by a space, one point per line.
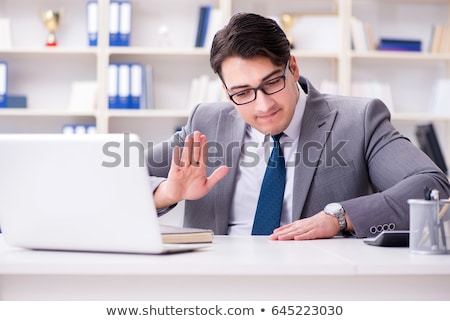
x=253 y=162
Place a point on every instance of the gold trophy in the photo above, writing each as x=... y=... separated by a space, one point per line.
x=287 y=23
x=51 y=22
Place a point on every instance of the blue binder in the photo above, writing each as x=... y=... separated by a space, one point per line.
x=202 y=26
x=124 y=23
x=92 y=22
x=113 y=86
x=114 y=20
x=136 y=86
x=3 y=83
x=124 y=86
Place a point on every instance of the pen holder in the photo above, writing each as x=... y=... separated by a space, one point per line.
x=429 y=226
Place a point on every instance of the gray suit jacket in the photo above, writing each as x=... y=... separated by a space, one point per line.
x=348 y=152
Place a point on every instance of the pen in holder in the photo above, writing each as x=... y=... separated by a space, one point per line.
x=429 y=230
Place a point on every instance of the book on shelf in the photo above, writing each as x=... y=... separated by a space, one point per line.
x=119 y=22
x=440 y=38
x=175 y=234
x=202 y=25
x=130 y=86
x=435 y=39
x=16 y=101
x=79 y=129
x=358 y=35
x=124 y=23
x=124 y=78
x=92 y=22
x=3 y=83
x=361 y=35
x=444 y=45
x=205 y=89
x=210 y=20
x=397 y=44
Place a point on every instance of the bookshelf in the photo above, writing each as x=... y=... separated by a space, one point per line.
x=163 y=35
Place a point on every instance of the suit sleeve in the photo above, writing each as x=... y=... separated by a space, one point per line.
x=398 y=171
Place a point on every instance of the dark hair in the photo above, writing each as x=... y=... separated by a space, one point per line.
x=249 y=35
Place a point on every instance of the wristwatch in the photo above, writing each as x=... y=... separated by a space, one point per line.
x=336 y=210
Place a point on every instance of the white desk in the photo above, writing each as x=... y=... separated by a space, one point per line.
x=234 y=268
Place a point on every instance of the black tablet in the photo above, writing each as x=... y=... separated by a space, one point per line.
x=389 y=239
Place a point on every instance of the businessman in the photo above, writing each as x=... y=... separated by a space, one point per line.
x=342 y=168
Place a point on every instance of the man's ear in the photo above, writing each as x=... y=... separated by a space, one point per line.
x=293 y=67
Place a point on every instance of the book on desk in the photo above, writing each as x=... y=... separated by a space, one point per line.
x=178 y=235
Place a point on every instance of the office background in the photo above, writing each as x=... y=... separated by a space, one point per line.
x=339 y=44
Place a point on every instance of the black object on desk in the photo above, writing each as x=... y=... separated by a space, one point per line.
x=389 y=239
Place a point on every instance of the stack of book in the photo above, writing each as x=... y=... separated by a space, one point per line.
x=130 y=86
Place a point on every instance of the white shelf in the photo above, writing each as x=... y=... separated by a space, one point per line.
x=420 y=117
x=152 y=113
x=417 y=56
x=158 y=51
x=23 y=112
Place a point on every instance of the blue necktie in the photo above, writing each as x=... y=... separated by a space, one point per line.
x=270 y=202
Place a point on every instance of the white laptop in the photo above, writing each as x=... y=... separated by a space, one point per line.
x=79 y=193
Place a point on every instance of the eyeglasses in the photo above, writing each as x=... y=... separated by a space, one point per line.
x=268 y=87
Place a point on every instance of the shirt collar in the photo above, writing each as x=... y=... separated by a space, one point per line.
x=293 y=130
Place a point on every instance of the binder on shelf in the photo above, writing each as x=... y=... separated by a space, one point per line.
x=113 y=86
x=136 y=86
x=358 y=35
x=3 y=83
x=16 y=101
x=124 y=23
x=82 y=129
x=202 y=25
x=124 y=86
x=205 y=89
x=92 y=22
x=148 y=93
x=114 y=9
x=215 y=22
x=399 y=44
x=128 y=87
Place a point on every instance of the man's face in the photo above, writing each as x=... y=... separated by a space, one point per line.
x=269 y=114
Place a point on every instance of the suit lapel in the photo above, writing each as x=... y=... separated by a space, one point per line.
x=316 y=125
x=230 y=131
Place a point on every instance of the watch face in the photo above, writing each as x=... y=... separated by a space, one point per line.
x=333 y=208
